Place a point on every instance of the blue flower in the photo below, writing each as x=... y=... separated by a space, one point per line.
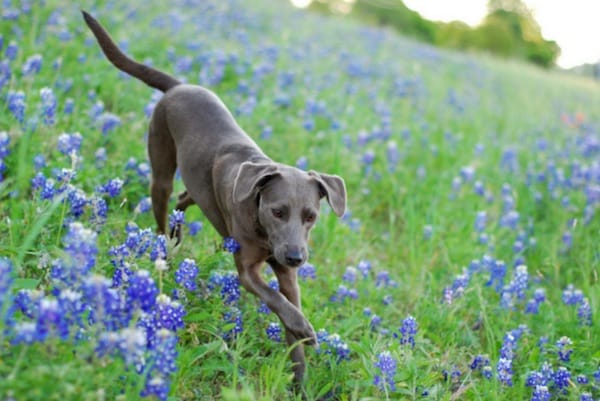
x=541 y=393
x=408 y=330
x=386 y=364
x=156 y=385
x=233 y=323
x=168 y=313
x=159 y=248
x=17 y=105
x=504 y=371
x=273 y=331
x=6 y=280
x=32 y=65
x=48 y=105
x=561 y=377
x=176 y=218
x=572 y=295
x=231 y=245
x=186 y=274
x=564 y=353
x=112 y=188
x=307 y=271
x=195 y=227
x=584 y=313
x=142 y=291
x=69 y=143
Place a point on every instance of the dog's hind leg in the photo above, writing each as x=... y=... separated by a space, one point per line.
x=163 y=159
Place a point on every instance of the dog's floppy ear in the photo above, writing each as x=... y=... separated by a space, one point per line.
x=250 y=177
x=333 y=187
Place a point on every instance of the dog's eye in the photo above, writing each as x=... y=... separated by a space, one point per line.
x=309 y=218
x=277 y=213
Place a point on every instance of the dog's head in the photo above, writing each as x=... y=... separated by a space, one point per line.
x=288 y=204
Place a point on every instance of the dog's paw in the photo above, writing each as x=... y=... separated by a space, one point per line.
x=302 y=330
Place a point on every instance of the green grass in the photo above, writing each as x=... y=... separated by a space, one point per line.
x=440 y=106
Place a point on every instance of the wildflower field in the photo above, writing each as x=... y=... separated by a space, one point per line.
x=466 y=267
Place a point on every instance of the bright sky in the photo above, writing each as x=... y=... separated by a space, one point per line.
x=572 y=24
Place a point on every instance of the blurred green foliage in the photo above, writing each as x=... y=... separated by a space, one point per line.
x=509 y=30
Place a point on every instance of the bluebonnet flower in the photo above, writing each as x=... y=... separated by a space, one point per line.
x=144 y=206
x=374 y=322
x=480 y=221
x=105 y=303
x=572 y=295
x=536 y=378
x=112 y=188
x=302 y=163
x=24 y=333
x=364 y=266
x=386 y=364
x=487 y=372
x=39 y=162
x=99 y=210
x=393 y=156
x=307 y=271
x=383 y=279
x=233 y=324
x=48 y=105
x=408 y=330
x=510 y=219
x=11 y=50
x=186 y=274
x=504 y=371
x=533 y=304
x=479 y=362
x=69 y=143
x=230 y=286
x=176 y=218
x=100 y=156
x=142 y=291
x=50 y=320
x=582 y=379
x=585 y=396
x=69 y=106
x=343 y=293
x=350 y=275
x=156 y=385
x=6 y=281
x=564 y=353
x=584 y=313
x=231 y=245
x=332 y=344
x=457 y=289
x=107 y=122
x=567 y=240
x=81 y=249
x=273 y=331
x=32 y=65
x=164 y=352
x=541 y=393
x=159 y=248
x=17 y=105
x=131 y=345
x=168 y=313
x=497 y=269
x=561 y=377
x=194 y=227
x=427 y=231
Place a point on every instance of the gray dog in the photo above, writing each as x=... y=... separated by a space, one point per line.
x=267 y=207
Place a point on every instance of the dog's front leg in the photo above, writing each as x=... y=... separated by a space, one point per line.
x=288 y=286
x=292 y=319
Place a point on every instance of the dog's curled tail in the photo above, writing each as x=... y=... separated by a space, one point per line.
x=148 y=75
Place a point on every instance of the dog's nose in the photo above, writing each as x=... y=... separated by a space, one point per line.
x=293 y=258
